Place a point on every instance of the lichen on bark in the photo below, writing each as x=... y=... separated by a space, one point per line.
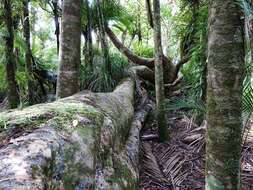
x=76 y=139
x=224 y=92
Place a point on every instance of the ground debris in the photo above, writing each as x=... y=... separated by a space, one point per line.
x=179 y=164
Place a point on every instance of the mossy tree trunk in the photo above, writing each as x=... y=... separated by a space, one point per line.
x=85 y=141
x=68 y=76
x=12 y=89
x=28 y=52
x=224 y=93
x=159 y=81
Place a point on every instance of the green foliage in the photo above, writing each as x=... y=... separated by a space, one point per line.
x=247 y=98
x=97 y=79
x=194 y=37
x=3 y=84
x=112 y=12
x=185 y=103
x=143 y=50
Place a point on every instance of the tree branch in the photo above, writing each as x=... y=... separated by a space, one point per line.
x=149 y=62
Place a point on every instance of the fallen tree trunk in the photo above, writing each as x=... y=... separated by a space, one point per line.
x=79 y=142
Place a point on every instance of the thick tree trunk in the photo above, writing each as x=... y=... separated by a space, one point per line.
x=68 y=77
x=159 y=81
x=224 y=93
x=28 y=52
x=79 y=142
x=12 y=91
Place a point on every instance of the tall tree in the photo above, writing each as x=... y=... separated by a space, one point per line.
x=68 y=77
x=102 y=36
x=159 y=82
x=28 y=52
x=57 y=23
x=13 y=96
x=88 y=52
x=224 y=92
x=149 y=13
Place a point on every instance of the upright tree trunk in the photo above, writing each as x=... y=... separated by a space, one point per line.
x=104 y=42
x=13 y=96
x=224 y=92
x=138 y=23
x=68 y=77
x=159 y=83
x=28 y=52
x=88 y=36
x=57 y=23
x=149 y=13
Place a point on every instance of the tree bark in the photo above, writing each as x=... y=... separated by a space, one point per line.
x=224 y=93
x=57 y=23
x=102 y=35
x=88 y=36
x=149 y=13
x=68 y=77
x=12 y=91
x=28 y=52
x=159 y=81
x=79 y=142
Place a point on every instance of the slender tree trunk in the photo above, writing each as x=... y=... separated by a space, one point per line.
x=138 y=24
x=104 y=42
x=68 y=77
x=88 y=36
x=159 y=83
x=224 y=92
x=28 y=52
x=57 y=23
x=149 y=13
x=13 y=96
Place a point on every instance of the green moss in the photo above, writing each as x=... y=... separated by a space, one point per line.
x=60 y=115
x=123 y=176
x=74 y=173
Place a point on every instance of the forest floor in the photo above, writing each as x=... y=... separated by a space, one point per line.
x=179 y=163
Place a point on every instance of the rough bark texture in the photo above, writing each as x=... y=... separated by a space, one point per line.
x=12 y=91
x=224 y=91
x=68 y=77
x=28 y=52
x=144 y=72
x=159 y=81
x=79 y=142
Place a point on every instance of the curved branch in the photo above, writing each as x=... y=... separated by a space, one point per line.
x=181 y=63
x=170 y=70
x=127 y=52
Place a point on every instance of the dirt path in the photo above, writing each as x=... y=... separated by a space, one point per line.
x=179 y=164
